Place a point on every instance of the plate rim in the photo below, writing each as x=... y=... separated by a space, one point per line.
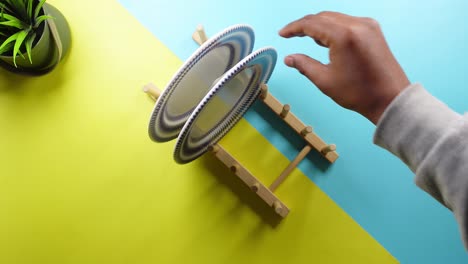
x=187 y=66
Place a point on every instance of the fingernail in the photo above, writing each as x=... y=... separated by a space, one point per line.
x=289 y=61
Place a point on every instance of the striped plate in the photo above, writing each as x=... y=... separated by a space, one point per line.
x=224 y=105
x=195 y=78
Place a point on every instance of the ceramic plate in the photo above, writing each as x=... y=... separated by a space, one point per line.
x=224 y=105
x=195 y=78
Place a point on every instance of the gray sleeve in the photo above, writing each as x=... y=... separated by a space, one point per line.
x=433 y=141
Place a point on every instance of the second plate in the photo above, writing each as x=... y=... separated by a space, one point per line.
x=224 y=105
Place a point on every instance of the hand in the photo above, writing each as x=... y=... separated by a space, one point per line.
x=363 y=75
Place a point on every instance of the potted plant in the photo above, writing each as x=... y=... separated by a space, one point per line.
x=34 y=36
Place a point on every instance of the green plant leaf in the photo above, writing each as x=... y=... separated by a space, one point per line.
x=15 y=21
x=11 y=39
x=11 y=23
x=41 y=19
x=9 y=17
x=38 y=8
x=8 y=40
x=30 y=7
x=19 y=41
x=19 y=20
x=29 y=43
x=7 y=47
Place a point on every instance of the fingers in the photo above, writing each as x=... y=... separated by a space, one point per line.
x=314 y=70
x=322 y=27
x=311 y=25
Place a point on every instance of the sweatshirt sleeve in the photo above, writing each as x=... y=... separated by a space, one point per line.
x=433 y=141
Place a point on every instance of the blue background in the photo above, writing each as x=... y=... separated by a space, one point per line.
x=427 y=37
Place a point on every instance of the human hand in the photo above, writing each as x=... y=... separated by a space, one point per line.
x=363 y=75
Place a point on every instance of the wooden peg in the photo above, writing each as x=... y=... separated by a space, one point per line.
x=152 y=90
x=285 y=110
x=328 y=149
x=255 y=187
x=213 y=148
x=278 y=208
x=290 y=167
x=234 y=168
x=306 y=130
x=298 y=126
x=199 y=36
x=263 y=91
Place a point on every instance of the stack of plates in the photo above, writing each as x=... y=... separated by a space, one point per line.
x=211 y=92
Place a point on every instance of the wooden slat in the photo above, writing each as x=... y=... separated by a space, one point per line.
x=250 y=180
x=297 y=125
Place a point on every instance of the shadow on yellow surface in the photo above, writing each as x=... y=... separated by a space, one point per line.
x=245 y=195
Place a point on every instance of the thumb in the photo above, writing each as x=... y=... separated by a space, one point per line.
x=314 y=70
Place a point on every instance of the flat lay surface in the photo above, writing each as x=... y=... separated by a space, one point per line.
x=82 y=182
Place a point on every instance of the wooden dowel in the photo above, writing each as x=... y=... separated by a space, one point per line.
x=328 y=149
x=290 y=167
x=285 y=110
x=213 y=148
x=152 y=90
x=278 y=208
x=199 y=36
x=306 y=130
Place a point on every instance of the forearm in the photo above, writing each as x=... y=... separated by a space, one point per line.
x=433 y=141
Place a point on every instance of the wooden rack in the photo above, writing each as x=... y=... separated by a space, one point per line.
x=312 y=141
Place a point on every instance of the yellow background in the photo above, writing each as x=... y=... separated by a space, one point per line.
x=80 y=181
